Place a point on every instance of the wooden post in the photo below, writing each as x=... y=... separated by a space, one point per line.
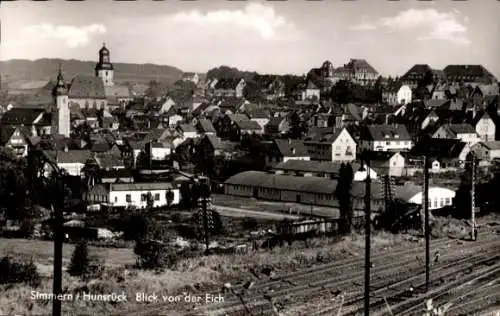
x=426 y=224
x=368 y=237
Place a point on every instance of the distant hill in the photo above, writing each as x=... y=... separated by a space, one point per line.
x=20 y=72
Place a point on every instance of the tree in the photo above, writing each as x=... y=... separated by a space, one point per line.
x=169 y=196
x=14 y=185
x=79 y=265
x=152 y=248
x=343 y=195
x=297 y=126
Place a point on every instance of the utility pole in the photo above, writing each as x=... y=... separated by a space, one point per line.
x=426 y=224
x=473 y=197
x=58 y=246
x=367 y=236
x=205 y=223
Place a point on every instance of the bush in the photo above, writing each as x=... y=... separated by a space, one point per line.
x=79 y=265
x=27 y=228
x=154 y=254
x=249 y=223
x=152 y=247
x=14 y=272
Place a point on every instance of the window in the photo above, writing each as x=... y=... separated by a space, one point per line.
x=144 y=197
x=435 y=202
x=157 y=196
x=441 y=204
x=116 y=199
x=448 y=201
x=387 y=143
x=128 y=198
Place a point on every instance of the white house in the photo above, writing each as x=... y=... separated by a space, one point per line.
x=338 y=146
x=463 y=131
x=485 y=127
x=132 y=194
x=398 y=94
x=308 y=91
x=173 y=120
x=167 y=105
x=386 y=138
x=159 y=151
x=72 y=161
x=438 y=196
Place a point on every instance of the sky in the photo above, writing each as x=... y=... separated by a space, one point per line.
x=275 y=37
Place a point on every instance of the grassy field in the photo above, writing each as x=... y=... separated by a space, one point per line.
x=42 y=251
x=193 y=275
x=207 y=272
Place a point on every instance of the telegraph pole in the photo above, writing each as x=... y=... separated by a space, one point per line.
x=205 y=223
x=473 y=197
x=58 y=246
x=367 y=236
x=426 y=224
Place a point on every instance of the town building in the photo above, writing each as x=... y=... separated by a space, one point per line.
x=386 y=138
x=133 y=194
x=337 y=146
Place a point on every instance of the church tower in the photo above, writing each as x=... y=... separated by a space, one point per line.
x=104 y=68
x=60 y=112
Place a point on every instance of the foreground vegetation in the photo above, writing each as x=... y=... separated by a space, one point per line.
x=200 y=274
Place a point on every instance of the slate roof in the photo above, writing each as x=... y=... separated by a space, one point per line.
x=419 y=70
x=237 y=117
x=462 y=128
x=70 y=156
x=467 y=71
x=21 y=116
x=317 y=185
x=356 y=65
x=187 y=128
x=247 y=125
x=324 y=135
x=218 y=144
x=205 y=126
x=109 y=161
x=491 y=145
x=291 y=148
x=86 y=87
x=152 y=186
x=6 y=133
x=386 y=133
x=313 y=166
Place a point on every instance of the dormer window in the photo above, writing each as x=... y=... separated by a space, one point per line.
x=396 y=136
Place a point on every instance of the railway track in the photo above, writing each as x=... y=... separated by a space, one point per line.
x=343 y=274
x=476 y=300
x=311 y=279
x=404 y=269
x=303 y=273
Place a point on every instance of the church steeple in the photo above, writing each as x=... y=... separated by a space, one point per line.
x=60 y=88
x=60 y=113
x=104 y=68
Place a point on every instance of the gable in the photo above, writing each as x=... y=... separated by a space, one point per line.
x=344 y=137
